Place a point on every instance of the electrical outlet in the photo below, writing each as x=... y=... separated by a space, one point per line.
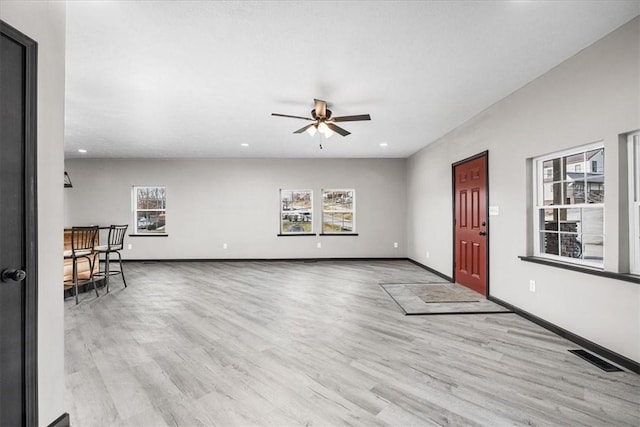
x=395 y=244
x=532 y=285
x=427 y=254
x=319 y=245
x=224 y=246
x=130 y=246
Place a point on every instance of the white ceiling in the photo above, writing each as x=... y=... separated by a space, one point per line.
x=199 y=78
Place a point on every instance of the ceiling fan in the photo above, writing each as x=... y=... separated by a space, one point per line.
x=323 y=121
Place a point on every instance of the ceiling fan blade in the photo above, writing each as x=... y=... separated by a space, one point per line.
x=351 y=118
x=321 y=108
x=337 y=129
x=292 y=117
x=305 y=128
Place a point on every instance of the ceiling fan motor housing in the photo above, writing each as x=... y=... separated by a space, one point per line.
x=316 y=117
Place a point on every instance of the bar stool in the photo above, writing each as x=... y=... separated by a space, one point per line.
x=115 y=243
x=82 y=247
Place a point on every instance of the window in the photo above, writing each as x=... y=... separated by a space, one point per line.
x=149 y=210
x=338 y=211
x=296 y=211
x=634 y=202
x=569 y=203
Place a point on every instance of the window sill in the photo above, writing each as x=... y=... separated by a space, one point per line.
x=582 y=269
x=295 y=234
x=149 y=235
x=338 y=234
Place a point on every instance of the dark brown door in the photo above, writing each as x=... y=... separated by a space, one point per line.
x=470 y=223
x=18 y=292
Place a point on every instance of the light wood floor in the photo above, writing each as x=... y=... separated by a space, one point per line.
x=317 y=344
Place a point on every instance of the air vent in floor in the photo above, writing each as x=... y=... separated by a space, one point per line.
x=595 y=360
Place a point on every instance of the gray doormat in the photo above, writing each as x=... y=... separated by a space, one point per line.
x=439 y=298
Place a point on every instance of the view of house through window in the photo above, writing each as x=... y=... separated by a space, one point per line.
x=296 y=211
x=570 y=206
x=149 y=210
x=634 y=201
x=338 y=211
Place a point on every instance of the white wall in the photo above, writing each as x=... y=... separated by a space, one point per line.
x=236 y=201
x=45 y=22
x=591 y=97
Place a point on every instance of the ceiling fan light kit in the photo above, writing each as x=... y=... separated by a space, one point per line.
x=311 y=130
x=323 y=121
x=324 y=129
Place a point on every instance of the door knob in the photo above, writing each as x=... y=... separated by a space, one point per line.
x=483 y=233
x=12 y=274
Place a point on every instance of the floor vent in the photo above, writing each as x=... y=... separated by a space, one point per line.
x=595 y=360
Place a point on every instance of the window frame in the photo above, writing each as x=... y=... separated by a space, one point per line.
x=634 y=201
x=135 y=210
x=352 y=211
x=282 y=212
x=538 y=203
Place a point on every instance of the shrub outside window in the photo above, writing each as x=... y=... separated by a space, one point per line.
x=569 y=203
x=338 y=211
x=296 y=211
x=149 y=210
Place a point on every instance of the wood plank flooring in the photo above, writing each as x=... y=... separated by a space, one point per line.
x=317 y=344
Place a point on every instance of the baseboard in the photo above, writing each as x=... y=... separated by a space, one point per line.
x=266 y=259
x=431 y=270
x=61 y=421
x=614 y=357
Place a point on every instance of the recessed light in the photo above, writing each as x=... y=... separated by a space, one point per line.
x=383 y=144
x=244 y=144
x=82 y=150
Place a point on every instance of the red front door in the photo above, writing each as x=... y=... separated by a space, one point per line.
x=470 y=193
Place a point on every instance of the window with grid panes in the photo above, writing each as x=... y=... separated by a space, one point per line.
x=339 y=211
x=296 y=212
x=569 y=203
x=149 y=210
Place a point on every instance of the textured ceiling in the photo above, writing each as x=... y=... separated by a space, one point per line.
x=200 y=78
